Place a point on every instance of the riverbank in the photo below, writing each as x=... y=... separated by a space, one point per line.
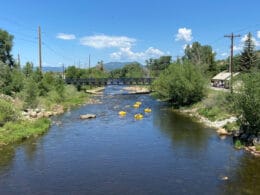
x=215 y=111
x=26 y=123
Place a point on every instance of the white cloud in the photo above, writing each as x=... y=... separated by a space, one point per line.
x=238 y=48
x=224 y=54
x=65 y=36
x=184 y=34
x=104 y=41
x=258 y=34
x=127 y=54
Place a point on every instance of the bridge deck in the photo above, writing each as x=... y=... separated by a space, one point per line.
x=110 y=81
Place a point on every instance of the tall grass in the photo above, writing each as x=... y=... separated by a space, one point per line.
x=16 y=131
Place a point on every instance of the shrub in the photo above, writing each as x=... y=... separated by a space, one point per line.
x=181 y=84
x=7 y=112
x=247 y=103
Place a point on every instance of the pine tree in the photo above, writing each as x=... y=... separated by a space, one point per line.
x=248 y=56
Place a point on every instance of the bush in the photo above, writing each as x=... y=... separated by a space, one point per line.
x=7 y=112
x=181 y=84
x=247 y=103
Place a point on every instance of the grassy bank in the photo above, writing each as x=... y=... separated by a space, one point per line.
x=214 y=110
x=16 y=131
x=14 y=127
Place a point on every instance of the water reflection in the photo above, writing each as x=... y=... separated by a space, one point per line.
x=182 y=130
x=246 y=177
x=7 y=154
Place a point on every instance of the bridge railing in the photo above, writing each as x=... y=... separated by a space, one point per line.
x=109 y=81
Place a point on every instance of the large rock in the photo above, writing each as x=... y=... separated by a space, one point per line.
x=33 y=114
x=47 y=114
x=87 y=116
x=222 y=131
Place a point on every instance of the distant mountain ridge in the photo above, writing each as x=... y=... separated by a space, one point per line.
x=52 y=69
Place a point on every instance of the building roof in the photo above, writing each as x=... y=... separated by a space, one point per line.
x=222 y=76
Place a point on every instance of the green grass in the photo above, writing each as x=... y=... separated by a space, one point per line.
x=16 y=131
x=238 y=144
x=215 y=106
x=71 y=98
x=231 y=126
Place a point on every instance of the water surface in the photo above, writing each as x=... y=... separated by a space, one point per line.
x=165 y=153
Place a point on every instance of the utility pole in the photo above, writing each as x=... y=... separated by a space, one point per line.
x=63 y=71
x=232 y=36
x=40 y=47
x=18 y=60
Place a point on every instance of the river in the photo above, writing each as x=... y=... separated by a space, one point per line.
x=164 y=153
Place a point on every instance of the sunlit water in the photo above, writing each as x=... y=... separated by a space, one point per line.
x=164 y=153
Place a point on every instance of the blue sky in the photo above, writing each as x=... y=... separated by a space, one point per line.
x=124 y=30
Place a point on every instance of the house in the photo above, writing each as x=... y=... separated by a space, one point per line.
x=222 y=79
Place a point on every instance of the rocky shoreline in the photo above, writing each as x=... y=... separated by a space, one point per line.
x=219 y=126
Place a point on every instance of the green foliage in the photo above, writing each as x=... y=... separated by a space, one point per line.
x=13 y=132
x=248 y=56
x=5 y=79
x=30 y=93
x=202 y=56
x=6 y=44
x=132 y=70
x=217 y=106
x=247 y=103
x=231 y=126
x=155 y=66
x=181 y=84
x=238 y=144
x=17 y=78
x=7 y=112
x=28 y=69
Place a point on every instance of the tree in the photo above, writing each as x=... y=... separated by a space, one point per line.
x=6 y=44
x=248 y=56
x=28 y=69
x=132 y=70
x=181 y=84
x=157 y=65
x=5 y=79
x=201 y=56
x=247 y=103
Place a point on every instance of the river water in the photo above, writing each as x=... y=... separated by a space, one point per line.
x=164 y=153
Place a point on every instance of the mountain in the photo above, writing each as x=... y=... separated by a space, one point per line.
x=114 y=65
x=51 y=69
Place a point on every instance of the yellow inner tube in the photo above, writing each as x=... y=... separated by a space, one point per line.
x=136 y=105
x=148 y=110
x=122 y=113
x=138 y=116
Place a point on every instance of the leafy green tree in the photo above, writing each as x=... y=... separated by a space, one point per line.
x=28 y=69
x=17 y=80
x=6 y=44
x=73 y=72
x=37 y=75
x=133 y=70
x=30 y=93
x=157 y=65
x=201 y=56
x=181 y=84
x=5 y=79
x=248 y=56
x=247 y=103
